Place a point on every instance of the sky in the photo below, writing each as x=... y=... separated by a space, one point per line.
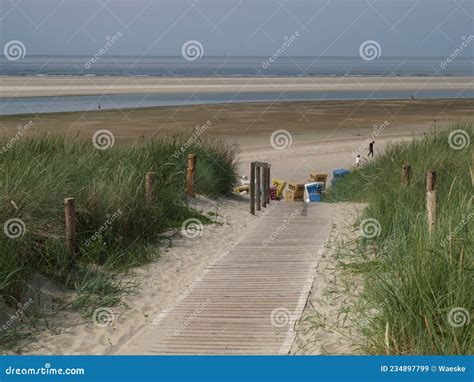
x=402 y=28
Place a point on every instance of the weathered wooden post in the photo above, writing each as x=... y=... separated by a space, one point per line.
x=70 y=215
x=268 y=184
x=149 y=180
x=264 y=186
x=190 y=174
x=431 y=199
x=258 y=183
x=252 y=188
x=406 y=173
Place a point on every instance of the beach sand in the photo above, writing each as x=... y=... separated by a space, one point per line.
x=324 y=135
x=61 y=86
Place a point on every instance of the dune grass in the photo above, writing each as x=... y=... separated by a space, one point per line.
x=116 y=228
x=418 y=289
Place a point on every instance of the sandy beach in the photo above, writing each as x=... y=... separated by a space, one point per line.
x=322 y=135
x=11 y=87
x=317 y=136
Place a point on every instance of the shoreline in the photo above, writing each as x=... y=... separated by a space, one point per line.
x=24 y=86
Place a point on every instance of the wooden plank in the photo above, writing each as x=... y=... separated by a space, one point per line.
x=248 y=301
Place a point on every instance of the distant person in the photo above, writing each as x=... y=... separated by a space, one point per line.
x=358 y=161
x=99 y=106
x=371 y=149
x=412 y=98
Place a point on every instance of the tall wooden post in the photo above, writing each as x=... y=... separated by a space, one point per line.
x=258 y=183
x=406 y=173
x=431 y=200
x=149 y=179
x=264 y=187
x=190 y=174
x=70 y=215
x=252 y=188
x=268 y=184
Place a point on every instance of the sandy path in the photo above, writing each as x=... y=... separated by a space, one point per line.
x=161 y=284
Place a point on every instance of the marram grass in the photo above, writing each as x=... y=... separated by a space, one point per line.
x=418 y=289
x=116 y=229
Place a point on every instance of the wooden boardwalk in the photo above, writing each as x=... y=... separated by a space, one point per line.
x=248 y=300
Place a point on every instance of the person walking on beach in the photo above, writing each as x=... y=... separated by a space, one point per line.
x=371 y=149
x=358 y=161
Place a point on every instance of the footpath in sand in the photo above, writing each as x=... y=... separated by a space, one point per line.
x=248 y=300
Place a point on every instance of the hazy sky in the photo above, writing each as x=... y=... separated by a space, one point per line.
x=238 y=27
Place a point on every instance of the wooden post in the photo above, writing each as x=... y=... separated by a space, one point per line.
x=406 y=173
x=268 y=184
x=149 y=179
x=430 y=180
x=252 y=188
x=70 y=215
x=264 y=187
x=190 y=174
x=431 y=200
x=258 y=183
